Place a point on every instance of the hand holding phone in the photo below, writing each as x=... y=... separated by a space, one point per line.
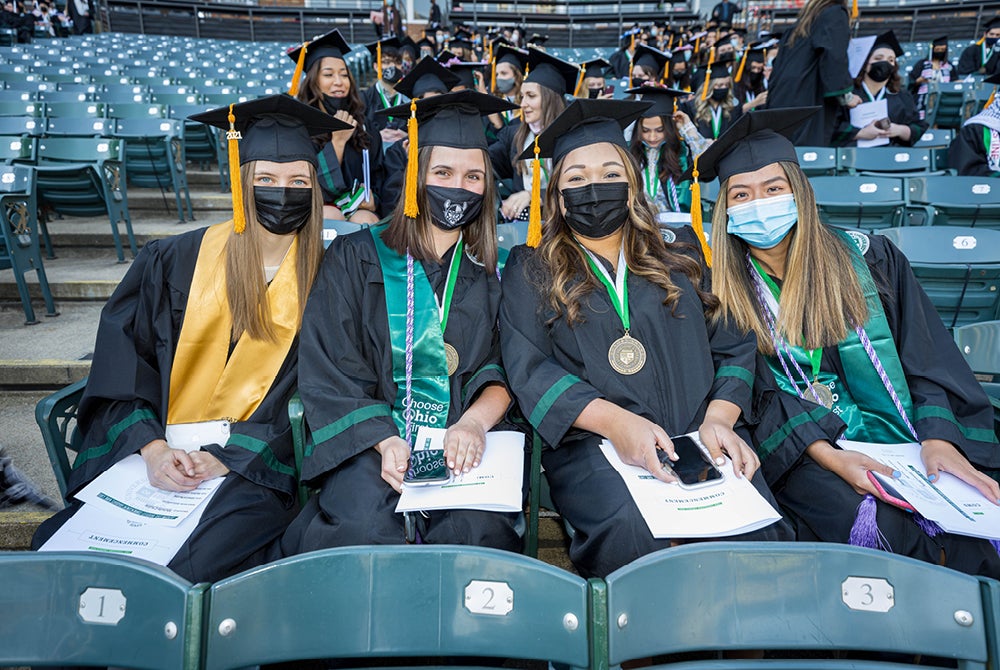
x=427 y=466
x=888 y=493
x=693 y=466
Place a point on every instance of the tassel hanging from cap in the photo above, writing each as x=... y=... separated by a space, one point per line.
x=865 y=531
x=236 y=183
x=981 y=40
x=293 y=89
x=410 y=207
x=535 y=209
x=696 y=223
x=708 y=74
x=989 y=100
x=632 y=40
x=743 y=64
x=854 y=10
x=378 y=59
x=697 y=45
x=493 y=75
x=670 y=43
x=579 y=82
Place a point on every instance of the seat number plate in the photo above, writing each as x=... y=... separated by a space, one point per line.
x=493 y=598
x=868 y=594
x=105 y=606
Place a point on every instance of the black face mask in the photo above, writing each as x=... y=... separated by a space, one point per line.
x=593 y=93
x=941 y=55
x=391 y=74
x=452 y=208
x=720 y=94
x=282 y=210
x=332 y=104
x=596 y=210
x=990 y=41
x=880 y=71
x=677 y=75
x=755 y=78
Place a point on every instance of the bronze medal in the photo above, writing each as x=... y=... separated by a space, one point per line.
x=627 y=355
x=451 y=358
x=821 y=391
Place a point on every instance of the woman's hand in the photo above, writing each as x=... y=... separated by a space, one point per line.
x=390 y=135
x=719 y=437
x=681 y=119
x=853 y=101
x=339 y=138
x=899 y=131
x=637 y=439
x=464 y=444
x=169 y=469
x=515 y=204
x=942 y=456
x=870 y=132
x=395 y=459
x=207 y=466
x=758 y=100
x=851 y=466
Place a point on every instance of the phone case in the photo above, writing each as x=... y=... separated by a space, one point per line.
x=889 y=494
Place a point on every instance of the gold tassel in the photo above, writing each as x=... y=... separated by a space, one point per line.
x=989 y=100
x=535 y=209
x=696 y=223
x=708 y=74
x=410 y=207
x=743 y=63
x=236 y=184
x=675 y=105
x=632 y=41
x=579 y=82
x=697 y=45
x=670 y=43
x=300 y=64
x=854 y=10
x=981 y=40
x=378 y=59
x=493 y=75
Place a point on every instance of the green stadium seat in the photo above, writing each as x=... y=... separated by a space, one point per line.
x=137 y=110
x=124 y=93
x=817 y=161
x=17 y=149
x=21 y=125
x=79 y=609
x=24 y=92
x=19 y=248
x=980 y=344
x=957 y=201
x=55 y=415
x=75 y=109
x=408 y=601
x=887 y=161
x=63 y=126
x=959 y=268
x=949 y=104
x=511 y=234
x=800 y=598
x=175 y=98
x=202 y=142
x=154 y=151
x=935 y=137
x=859 y=203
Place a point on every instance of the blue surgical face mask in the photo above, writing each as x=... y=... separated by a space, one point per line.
x=763 y=223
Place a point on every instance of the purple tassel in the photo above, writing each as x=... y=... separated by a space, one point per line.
x=926 y=525
x=865 y=532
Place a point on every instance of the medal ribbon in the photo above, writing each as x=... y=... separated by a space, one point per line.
x=815 y=355
x=618 y=289
x=444 y=306
x=716 y=122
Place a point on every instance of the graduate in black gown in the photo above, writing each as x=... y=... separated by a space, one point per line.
x=159 y=360
x=875 y=363
x=351 y=172
x=982 y=57
x=387 y=54
x=811 y=69
x=558 y=320
x=879 y=80
x=354 y=379
x=935 y=68
x=713 y=108
x=975 y=151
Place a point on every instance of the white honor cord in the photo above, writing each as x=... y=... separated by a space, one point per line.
x=619 y=282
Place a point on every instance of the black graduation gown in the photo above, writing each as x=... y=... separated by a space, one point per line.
x=375 y=123
x=705 y=127
x=902 y=110
x=395 y=169
x=346 y=355
x=621 y=62
x=971 y=61
x=124 y=408
x=820 y=502
x=968 y=153
x=814 y=71
x=556 y=370
x=502 y=155
x=349 y=170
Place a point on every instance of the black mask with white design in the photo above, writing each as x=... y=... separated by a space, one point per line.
x=452 y=208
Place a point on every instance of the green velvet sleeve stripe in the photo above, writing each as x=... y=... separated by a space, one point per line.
x=977 y=434
x=324 y=171
x=735 y=371
x=842 y=91
x=330 y=431
x=486 y=368
x=262 y=449
x=550 y=397
x=113 y=434
x=768 y=445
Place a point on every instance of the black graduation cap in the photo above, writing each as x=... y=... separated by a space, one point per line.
x=596 y=67
x=407 y=44
x=507 y=53
x=551 y=72
x=425 y=42
x=427 y=75
x=459 y=43
x=464 y=33
x=465 y=71
x=755 y=52
x=446 y=56
x=274 y=128
x=719 y=70
x=392 y=43
x=887 y=40
x=537 y=39
x=664 y=99
x=677 y=55
x=940 y=41
x=992 y=23
x=649 y=57
x=330 y=45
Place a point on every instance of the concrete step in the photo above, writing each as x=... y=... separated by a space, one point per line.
x=50 y=354
x=202 y=199
x=77 y=273
x=70 y=232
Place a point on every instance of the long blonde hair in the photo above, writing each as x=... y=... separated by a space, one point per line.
x=646 y=254
x=552 y=105
x=246 y=286
x=703 y=108
x=821 y=296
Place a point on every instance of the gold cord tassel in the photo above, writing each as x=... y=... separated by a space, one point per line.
x=632 y=41
x=743 y=63
x=697 y=45
x=236 y=184
x=378 y=58
x=493 y=74
x=670 y=43
x=579 y=83
x=989 y=100
x=410 y=208
x=854 y=10
x=535 y=209
x=293 y=89
x=981 y=40
x=696 y=224
x=708 y=74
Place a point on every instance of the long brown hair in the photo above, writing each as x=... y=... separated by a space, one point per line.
x=807 y=16
x=246 y=286
x=646 y=254
x=553 y=105
x=669 y=164
x=895 y=82
x=310 y=94
x=480 y=236
x=820 y=296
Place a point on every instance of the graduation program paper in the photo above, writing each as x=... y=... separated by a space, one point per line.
x=728 y=507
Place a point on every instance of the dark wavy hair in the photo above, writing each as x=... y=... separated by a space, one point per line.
x=310 y=94
x=670 y=159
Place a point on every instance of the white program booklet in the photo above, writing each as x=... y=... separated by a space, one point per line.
x=729 y=506
x=954 y=505
x=867 y=112
x=494 y=486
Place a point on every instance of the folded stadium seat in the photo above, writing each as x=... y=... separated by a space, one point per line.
x=980 y=344
x=981 y=95
x=110 y=77
x=80 y=176
x=65 y=96
x=20 y=107
x=68 y=126
x=137 y=110
x=220 y=100
x=423 y=601
x=959 y=268
x=817 y=161
x=20 y=92
x=75 y=109
x=81 y=609
x=949 y=103
x=860 y=202
x=511 y=234
x=799 y=598
x=202 y=143
x=935 y=137
x=218 y=90
x=154 y=152
x=888 y=161
x=21 y=125
x=174 y=98
x=957 y=201
x=19 y=246
x=17 y=149
x=68 y=78
x=119 y=93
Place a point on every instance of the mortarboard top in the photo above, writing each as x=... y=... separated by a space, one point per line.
x=465 y=71
x=720 y=70
x=459 y=43
x=275 y=128
x=651 y=58
x=586 y=122
x=754 y=141
x=330 y=45
x=553 y=73
x=407 y=44
x=392 y=43
x=537 y=39
x=887 y=40
x=427 y=75
x=507 y=53
x=464 y=33
x=993 y=79
x=453 y=119
x=677 y=55
x=940 y=41
x=446 y=56
x=501 y=40
x=755 y=52
x=992 y=23
x=664 y=99
x=596 y=67
x=426 y=42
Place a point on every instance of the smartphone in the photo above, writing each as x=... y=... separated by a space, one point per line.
x=888 y=493
x=883 y=124
x=609 y=90
x=693 y=466
x=427 y=467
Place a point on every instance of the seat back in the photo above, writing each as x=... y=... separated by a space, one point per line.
x=949 y=103
x=21 y=125
x=20 y=108
x=361 y=602
x=55 y=415
x=958 y=201
x=64 y=608
x=137 y=110
x=935 y=137
x=80 y=149
x=884 y=160
x=57 y=126
x=17 y=148
x=859 y=202
x=793 y=596
x=980 y=344
x=75 y=109
x=817 y=161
